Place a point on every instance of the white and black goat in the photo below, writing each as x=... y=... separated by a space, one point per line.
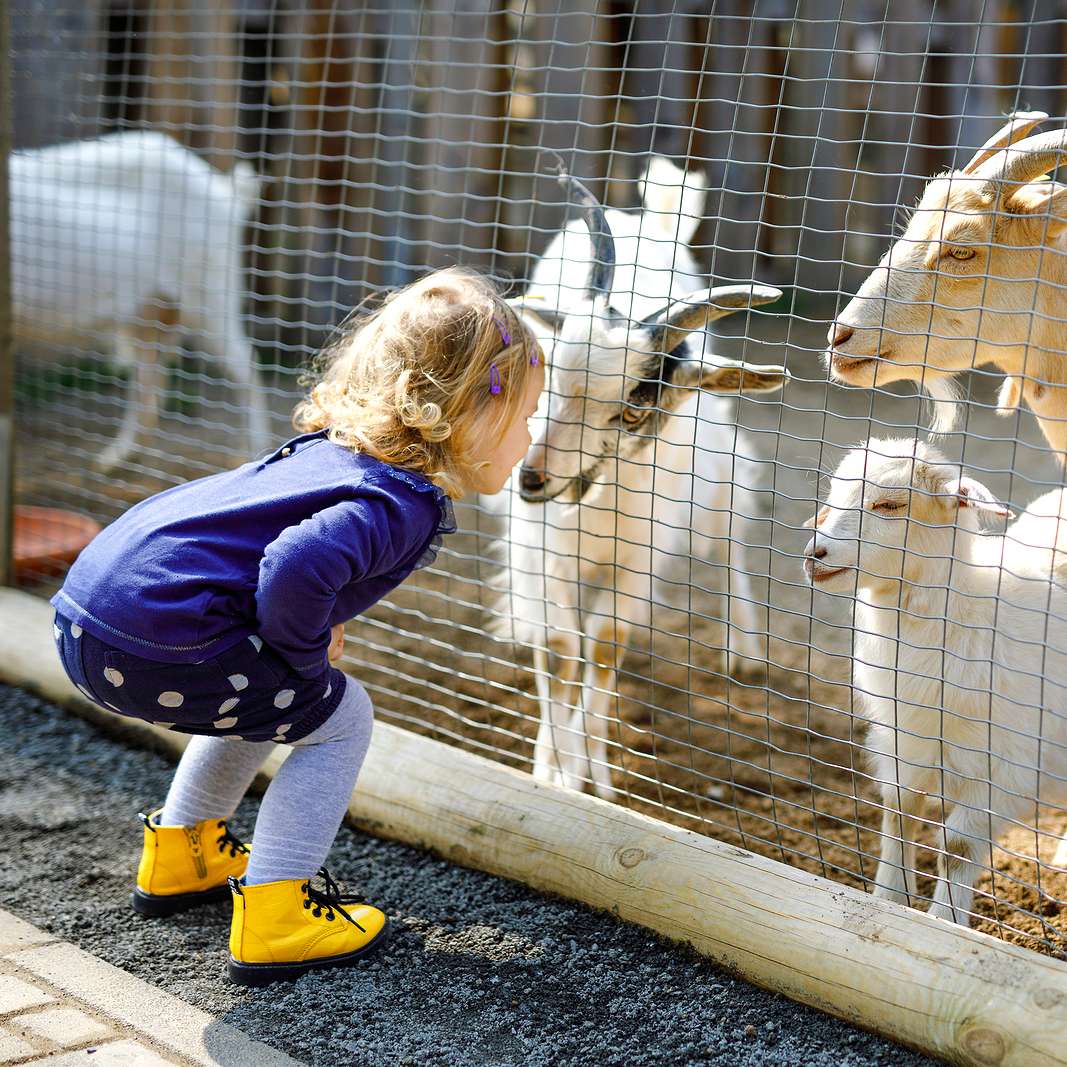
x=122 y=238
x=633 y=482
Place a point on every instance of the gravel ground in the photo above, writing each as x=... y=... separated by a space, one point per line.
x=479 y=971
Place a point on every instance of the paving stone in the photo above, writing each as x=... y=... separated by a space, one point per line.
x=15 y=994
x=16 y=934
x=13 y=1047
x=173 y=1025
x=64 y=1026
x=113 y=1054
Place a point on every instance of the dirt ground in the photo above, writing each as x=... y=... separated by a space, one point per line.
x=778 y=767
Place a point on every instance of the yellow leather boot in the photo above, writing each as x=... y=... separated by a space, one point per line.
x=282 y=929
x=182 y=866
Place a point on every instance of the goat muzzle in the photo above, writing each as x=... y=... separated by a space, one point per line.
x=531 y=483
x=838 y=334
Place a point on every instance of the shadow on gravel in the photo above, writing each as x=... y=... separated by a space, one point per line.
x=479 y=971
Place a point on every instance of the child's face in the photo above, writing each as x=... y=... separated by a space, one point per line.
x=511 y=443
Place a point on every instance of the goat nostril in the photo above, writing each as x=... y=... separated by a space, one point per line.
x=819 y=553
x=839 y=334
x=530 y=480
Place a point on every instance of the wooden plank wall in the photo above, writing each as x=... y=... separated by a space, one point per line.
x=418 y=133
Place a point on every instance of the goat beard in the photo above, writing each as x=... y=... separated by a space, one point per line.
x=945 y=395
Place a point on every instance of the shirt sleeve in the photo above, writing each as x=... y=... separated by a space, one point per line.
x=305 y=567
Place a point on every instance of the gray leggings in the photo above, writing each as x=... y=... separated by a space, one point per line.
x=304 y=804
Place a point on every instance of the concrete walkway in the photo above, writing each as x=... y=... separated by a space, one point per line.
x=61 y=1006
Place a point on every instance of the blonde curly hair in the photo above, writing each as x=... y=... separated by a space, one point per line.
x=411 y=383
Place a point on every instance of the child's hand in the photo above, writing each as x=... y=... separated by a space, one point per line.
x=337 y=643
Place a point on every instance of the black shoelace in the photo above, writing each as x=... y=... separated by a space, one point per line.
x=227 y=840
x=329 y=899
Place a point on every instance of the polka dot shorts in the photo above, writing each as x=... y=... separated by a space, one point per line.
x=247 y=692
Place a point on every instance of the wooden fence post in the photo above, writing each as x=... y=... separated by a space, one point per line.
x=192 y=75
x=568 y=80
x=463 y=86
x=7 y=355
x=817 y=153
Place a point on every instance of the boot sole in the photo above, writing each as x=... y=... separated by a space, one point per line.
x=258 y=974
x=156 y=906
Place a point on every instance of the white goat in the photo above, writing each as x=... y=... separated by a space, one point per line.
x=124 y=236
x=632 y=481
x=979 y=276
x=959 y=655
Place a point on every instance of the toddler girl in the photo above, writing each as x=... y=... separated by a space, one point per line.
x=216 y=608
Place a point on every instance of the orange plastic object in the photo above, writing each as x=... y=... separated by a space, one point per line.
x=48 y=540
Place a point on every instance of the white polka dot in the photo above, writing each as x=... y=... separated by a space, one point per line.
x=285 y=728
x=113 y=676
x=170 y=699
x=165 y=725
x=228 y=705
x=279 y=739
x=256 y=641
x=57 y=632
x=284 y=698
x=329 y=690
x=238 y=681
x=225 y=724
x=75 y=630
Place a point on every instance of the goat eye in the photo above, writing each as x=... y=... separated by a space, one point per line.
x=887 y=505
x=632 y=416
x=961 y=253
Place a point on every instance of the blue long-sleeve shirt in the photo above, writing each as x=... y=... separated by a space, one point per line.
x=283 y=547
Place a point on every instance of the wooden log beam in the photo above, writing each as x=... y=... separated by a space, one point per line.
x=943 y=989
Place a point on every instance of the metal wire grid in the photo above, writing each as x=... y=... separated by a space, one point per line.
x=394 y=140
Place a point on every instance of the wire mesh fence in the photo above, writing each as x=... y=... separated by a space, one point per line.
x=200 y=192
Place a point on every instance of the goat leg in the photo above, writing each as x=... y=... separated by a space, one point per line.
x=605 y=648
x=557 y=695
x=138 y=349
x=969 y=832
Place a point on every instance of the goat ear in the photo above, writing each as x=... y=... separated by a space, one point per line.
x=817 y=519
x=1043 y=198
x=731 y=377
x=540 y=310
x=972 y=494
x=1010 y=395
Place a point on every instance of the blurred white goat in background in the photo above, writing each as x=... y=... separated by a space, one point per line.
x=122 y=237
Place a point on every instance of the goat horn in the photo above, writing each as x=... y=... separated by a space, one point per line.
x=669 y=327
x=1025 y=160
x=602 y=267
x=1021 y=123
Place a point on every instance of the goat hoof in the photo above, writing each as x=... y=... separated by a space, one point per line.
x=606 y=792
x=943 y=911
x=109 y=460
x=743 y=669
x=897 y=896
x=549 y=775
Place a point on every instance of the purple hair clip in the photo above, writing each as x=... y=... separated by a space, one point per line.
x=495 y=384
